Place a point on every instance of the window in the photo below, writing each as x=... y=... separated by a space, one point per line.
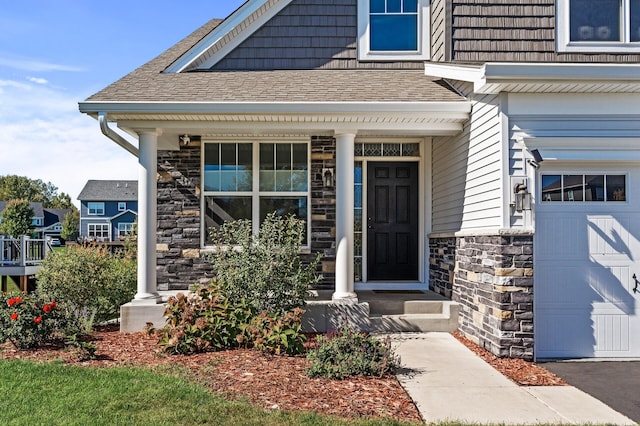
x=393 y=30
x=98 y=231
x=36 y=221
x=249 y=180
x=599 y=25
x=95 y=209
x=124 y=229
x=122 y=206
x=584 y=187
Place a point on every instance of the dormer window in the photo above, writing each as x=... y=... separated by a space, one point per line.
x=393 y=30
x=605 y=26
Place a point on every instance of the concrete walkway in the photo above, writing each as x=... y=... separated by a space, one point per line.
x=448 y=382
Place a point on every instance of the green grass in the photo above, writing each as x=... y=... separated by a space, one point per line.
x=55 y=394
x=12 y=286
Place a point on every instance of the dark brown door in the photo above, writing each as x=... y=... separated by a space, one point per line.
x=392 y=236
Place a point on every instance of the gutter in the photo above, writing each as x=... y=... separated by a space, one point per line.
x=108 y=132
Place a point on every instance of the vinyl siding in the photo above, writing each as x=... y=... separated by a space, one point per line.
x=307 y=34
x=467 y=172
x=511 y=30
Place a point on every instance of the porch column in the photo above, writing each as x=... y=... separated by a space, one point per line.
x=147 y=217
x=344 y=291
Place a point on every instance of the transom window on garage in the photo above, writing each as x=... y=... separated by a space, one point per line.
x=248 y=180
x=584 y=187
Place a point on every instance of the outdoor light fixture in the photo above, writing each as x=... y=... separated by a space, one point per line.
x=522 y=197
x=327 y=177
x=185 y=139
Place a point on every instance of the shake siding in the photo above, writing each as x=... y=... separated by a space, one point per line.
x=307 y=34
x=512 y=30
x=467 y=173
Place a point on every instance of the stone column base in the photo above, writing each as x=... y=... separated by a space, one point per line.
x=134 y=317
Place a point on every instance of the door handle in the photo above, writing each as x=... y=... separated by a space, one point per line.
x=635 y=289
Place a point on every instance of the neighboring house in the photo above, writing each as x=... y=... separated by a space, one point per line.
x=46 y=222
x=108 y=209
x=487 y=151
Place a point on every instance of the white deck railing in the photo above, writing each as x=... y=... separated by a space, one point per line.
x=23 y=251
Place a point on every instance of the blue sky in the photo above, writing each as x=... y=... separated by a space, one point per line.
x=54 y=54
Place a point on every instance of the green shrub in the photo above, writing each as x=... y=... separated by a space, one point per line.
x=28 y=321
x=277 y=334
x=351 y=353
x=265 y=270
x=89 y=283
x=203 y=321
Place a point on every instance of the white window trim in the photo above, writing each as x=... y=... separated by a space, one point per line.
x=424 y=39
x=255 y=194
x=95 y=213
x=122 y=206
x=124 y=232
x=564 y=43
x=583 y=172
x=104 y=227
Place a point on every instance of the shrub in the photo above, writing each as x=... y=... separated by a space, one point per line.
x=89 y=283
x=28 y=321
x=277 y=334
x=265 y=270
x=202 y=321
x=351 y=353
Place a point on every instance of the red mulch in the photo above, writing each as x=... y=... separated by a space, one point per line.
x=270 y=382
x=522 y=372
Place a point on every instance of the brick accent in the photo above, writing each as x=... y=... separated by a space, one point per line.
x=492 y=279
x=179 y=264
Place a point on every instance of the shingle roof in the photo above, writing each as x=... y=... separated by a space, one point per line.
x=52 y=216
x=149 y=84
x=37 y=208
x=109 y=190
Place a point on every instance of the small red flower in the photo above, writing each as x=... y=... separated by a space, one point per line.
x=37 y=320
x=11 y=301
x=53 y=304
x=14 y=316
x=47 y=308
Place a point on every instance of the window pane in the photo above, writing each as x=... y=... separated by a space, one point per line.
x=391 y=149
x=616 y=188
x=394 y=32
x=635 y=20
x=394 y=6
x=299 y=182
x=221 y=209
x=573 y=187
x=377 y=6
x=300 y=156
x=267 y=156
x=410 y=5
x=283 y=206
x=410 y=149
x=595 y=20
x=594 y=187
x=283 y=156
x=551 y=187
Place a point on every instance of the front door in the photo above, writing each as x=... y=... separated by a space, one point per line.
x=392 y=223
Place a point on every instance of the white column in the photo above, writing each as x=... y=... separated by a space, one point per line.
x=344 y=291
x=147 y=218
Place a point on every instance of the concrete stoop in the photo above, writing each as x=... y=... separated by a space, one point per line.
x=383 y=317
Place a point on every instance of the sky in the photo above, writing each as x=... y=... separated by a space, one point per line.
x=56 y=53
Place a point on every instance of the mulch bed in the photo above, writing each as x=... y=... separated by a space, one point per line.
x=273 y=382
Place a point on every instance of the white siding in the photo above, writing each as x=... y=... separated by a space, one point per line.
x=438 y=30
x=467 y=172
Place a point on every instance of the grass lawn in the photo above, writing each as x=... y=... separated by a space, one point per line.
x=54 y=394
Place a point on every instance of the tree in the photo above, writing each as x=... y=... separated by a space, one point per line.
x=13 y=187
x=71 y=225
x=16 y=218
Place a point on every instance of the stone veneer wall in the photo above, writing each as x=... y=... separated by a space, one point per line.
x=492 y=278
x=179 y=264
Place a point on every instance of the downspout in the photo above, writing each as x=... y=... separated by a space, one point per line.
x=108 y=132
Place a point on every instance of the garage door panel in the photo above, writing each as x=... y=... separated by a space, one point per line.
x=566 y=231
x=612 y=333
x=608 y=235
x=562 y=338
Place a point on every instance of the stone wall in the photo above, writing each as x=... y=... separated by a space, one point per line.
x=492 y=279
x=179 y=264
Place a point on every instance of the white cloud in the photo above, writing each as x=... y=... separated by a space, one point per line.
x=43 y=136
x=38 y=80
x=35 y=65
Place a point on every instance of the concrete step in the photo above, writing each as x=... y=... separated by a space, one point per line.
x=418 y=316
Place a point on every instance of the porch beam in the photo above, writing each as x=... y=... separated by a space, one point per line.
x=345 y=290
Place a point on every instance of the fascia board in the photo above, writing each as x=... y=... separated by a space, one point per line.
x=453 y=72
x=272 y=107
x=235 y=20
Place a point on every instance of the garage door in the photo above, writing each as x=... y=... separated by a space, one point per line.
x=587 y=256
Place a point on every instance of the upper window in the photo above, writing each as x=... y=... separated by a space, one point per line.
x=393 y=29
x=251 y=180
x=122 y=206
x=606 y=26
x=583 y=187
x=95 y=209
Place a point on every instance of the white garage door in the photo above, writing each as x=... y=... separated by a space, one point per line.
x=587 y=252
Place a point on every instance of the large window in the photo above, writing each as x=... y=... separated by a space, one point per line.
x=124 y=229
x=599 y=25
x=248 y=180
x=584 y=187
x=95 y=209
x=393 y=29
x=98 y=231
